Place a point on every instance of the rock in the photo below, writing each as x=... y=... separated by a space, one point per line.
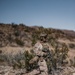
x=5 y=70
x=27 y=43
x=34 y=72
x=13 y=44
x=12 y=74
x=7 y=73
x=17 y=72
x=43 y=73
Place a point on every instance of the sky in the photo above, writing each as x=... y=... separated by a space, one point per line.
x=58 y=14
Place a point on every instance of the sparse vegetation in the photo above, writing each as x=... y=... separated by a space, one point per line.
x=28 y=57
x=33 y=42
x=72 y=46
x=2 y=58
x=57 y=56
x=8 y=32
x=0 y=51
x=21 y=60
x=17 y=33
x=72 y=61
x=19 y=42
x=34 y=39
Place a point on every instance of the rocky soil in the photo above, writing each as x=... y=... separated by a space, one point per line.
x=36 y=50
